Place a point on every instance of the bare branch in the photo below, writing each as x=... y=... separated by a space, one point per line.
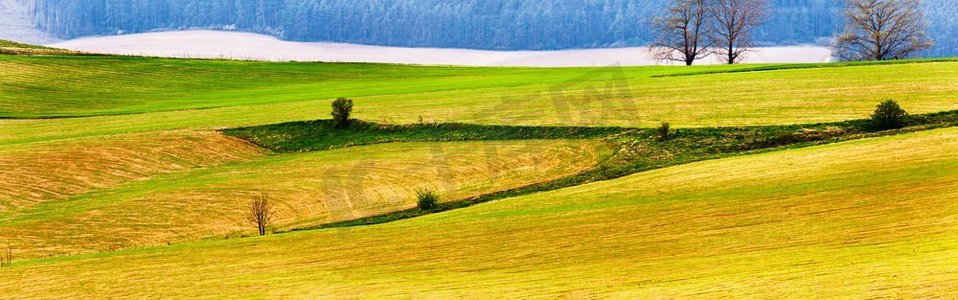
x=881 y=30
x=683 y=32
x=260 y=213
x=731 y=30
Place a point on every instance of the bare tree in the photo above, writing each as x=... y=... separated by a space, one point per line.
x=732 y=24
x=6 y=259
x=882 y=30
x=683 y=32
x=260 y=213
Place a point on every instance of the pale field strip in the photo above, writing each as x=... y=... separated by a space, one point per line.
x=38 y=173
x=250 y=46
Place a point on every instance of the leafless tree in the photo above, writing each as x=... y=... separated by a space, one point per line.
x=260 y=213
x=882 y=30
x=6 y=258
x=683 y=32
x=732 y=24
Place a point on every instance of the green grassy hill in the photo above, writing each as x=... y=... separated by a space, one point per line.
x=130 y=176
x=632 y=96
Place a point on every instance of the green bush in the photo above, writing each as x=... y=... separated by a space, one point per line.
x=663 y=131
x=889 y=115
x=427 y=198
x=342 y=108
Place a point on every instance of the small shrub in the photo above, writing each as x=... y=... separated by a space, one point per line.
x=889 y=115
x=663 y=131
x=427 y=198
x=342 y=108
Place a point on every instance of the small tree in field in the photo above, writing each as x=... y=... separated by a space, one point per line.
x=260 y=213
x=889 y=115
x=663 y=131
x=342 y=108
x=6 y=258
x=427 y=199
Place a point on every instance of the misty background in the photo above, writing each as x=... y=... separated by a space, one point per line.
x=469 y=24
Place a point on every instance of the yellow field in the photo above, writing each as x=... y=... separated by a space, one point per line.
x=873 y=218
x=126 y=208
x=41 y=172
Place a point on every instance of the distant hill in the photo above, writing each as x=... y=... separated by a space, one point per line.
x=475 y=24
x=14 y=48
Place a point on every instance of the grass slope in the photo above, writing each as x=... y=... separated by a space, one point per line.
x=84 y=86
x=307 y=189
x=322 y=187
x=11 y=44
x=635 y=150
x=111 y=163
x=869 y=219
x=54 y=171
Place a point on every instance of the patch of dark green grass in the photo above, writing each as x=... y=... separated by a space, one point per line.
x=323 y=135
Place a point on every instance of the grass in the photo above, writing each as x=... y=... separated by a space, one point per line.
x=871 y=218
x=56 y=171
x=322 y=135
x=14 y=48
x=12 y=44
x=600 y=97
x=639 y=150
x=779 y=67
x=120 y=155
x=319 y=135
x=306 y=188
x=394 y=94
x=343 y=187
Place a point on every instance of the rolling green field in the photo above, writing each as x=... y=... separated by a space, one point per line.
x=43 y=86
x=129 y=177
x=872 y=218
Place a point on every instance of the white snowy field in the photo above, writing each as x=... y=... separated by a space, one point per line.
x=235 y=45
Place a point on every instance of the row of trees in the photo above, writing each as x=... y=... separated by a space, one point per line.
x=694 y=29
x=875 y=30
x=687 y=30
